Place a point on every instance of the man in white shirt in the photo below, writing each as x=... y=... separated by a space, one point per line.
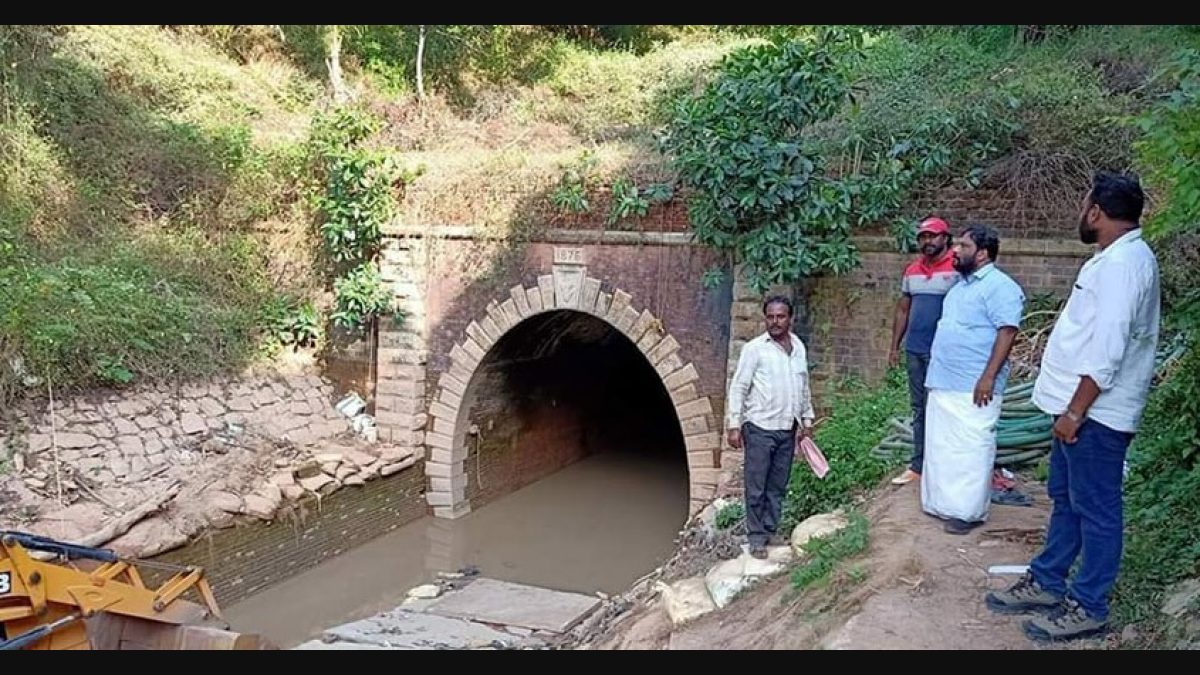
x=1094 y=378
x=769 y=411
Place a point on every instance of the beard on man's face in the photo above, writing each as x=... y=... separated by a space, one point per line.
x=932 y=249
x=1087 y=233
x=964 y=266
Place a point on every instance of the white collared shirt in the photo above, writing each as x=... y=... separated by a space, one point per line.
x=770 y=388
x=1109 y=332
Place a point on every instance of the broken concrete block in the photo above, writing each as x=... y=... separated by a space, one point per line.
x=391 y=454
x=686 y=599
x=225 y=501
x=359 y=458
x=308 y=469
x=328 y=457
x=317 y=483
x=258 y=506
x=397 y=467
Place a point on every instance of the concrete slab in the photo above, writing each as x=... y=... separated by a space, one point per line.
x=317 y=645
x=501 y=602
x=403 y=629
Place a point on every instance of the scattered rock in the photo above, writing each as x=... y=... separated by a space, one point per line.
x=292 y=492
x=778 y=558
x=686 y=599
x=425 y=592
x=330 y=468
x=221 y=520
x=708 y=516
x=329 y=457
x=308 y=469
x=148 y=538
x=317 y=483
x=725 y=580
x=344 y=471
x=225 y=501
x=397 y=468
x=271 y=493
x=35 y=484
x=354 y=479
x=391 y=454
x=258 y=506
x=283 y=478
x=373 y=470
x=359 y=458
x=1182 y=597
x=820 y=525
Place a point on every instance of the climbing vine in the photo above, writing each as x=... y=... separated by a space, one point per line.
x=765 y=190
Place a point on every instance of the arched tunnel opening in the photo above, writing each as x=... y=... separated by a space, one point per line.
x=576 y=474
x=565 y=411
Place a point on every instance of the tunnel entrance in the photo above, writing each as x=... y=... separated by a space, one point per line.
x=575 y=465
x=560 y=387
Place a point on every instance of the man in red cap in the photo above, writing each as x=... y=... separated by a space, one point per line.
x=925 y=283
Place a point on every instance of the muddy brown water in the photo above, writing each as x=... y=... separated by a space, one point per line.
x=597 y=525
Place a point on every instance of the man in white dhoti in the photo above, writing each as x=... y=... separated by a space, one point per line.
x=968 y=369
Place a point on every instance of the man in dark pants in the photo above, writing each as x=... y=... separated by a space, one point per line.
x=770 y=410
x=1094 y=378
x=925 y=283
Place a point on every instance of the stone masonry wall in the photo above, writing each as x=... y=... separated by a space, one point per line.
x=118 y=437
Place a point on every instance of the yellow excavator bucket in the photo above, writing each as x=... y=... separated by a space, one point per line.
x=67 y=596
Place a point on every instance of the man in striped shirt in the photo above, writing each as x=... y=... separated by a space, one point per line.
x=925 y=284
x=769 y=411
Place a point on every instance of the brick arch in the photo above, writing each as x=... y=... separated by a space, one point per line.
x=447 y=428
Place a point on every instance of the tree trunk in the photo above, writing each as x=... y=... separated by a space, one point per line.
x=333 y=62
x=421 y=64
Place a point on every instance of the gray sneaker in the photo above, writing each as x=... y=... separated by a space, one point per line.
x=1069 y=623
x=1022 y=597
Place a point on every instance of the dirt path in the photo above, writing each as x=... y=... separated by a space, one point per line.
x=922 y=589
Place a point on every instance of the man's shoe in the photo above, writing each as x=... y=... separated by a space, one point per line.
x=1022 y=597
x=758 y=551
x=959 y=526
x=905 y=478
x=1071 y=622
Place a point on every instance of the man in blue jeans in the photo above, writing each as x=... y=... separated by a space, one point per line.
x=922 y=289
x=1095 y=378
